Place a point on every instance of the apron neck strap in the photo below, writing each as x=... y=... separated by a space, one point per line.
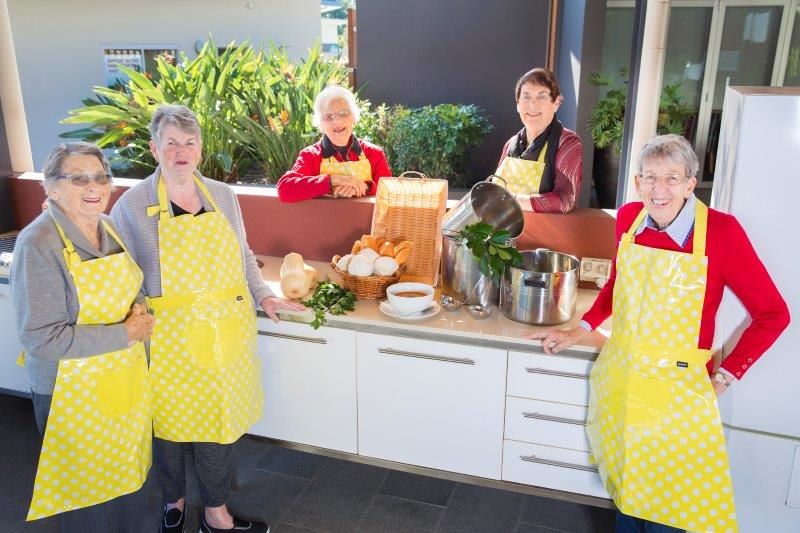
x=114 y=235
x=163 y=201
x=700 y=228
x=70 y=255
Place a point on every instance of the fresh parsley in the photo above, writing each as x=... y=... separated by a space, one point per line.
x=492 y=248
x=331 y=298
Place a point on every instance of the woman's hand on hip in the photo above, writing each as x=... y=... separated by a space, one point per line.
x=555 y=340
x=339 y=180
x=272 y=304
x=139 y=324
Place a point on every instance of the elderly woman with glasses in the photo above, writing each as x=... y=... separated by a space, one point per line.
x=203 y=283
x=339 y=164
x=542 y=164
x=653 y=421
x=81 y=319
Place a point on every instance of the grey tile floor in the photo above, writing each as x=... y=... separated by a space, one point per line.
x=299 y=492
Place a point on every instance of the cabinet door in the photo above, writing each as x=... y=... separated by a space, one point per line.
x=432 y=404
x=309 y=380
x=12 y=376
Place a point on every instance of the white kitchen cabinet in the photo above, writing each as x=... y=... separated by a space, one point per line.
x=309 y=380
x=12 y=376
x=554 y=468
x=548 y=377
x=433 y=404
x=549 y=423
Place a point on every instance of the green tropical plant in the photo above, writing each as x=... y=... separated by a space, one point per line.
x=253 y=107
x=608 y=115
x=435 y=140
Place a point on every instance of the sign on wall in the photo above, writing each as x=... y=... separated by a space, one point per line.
x=141 y=58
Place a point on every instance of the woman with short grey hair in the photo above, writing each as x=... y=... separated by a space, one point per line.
x=653 y=422
x=203 y=284
x=81 y=319
x=339 y=164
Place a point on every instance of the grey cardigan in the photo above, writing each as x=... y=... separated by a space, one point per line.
x=139 y=232
x=46 y=302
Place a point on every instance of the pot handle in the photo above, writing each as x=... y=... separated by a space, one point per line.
x=501 y=178
x=419 y=175
x=537 y=283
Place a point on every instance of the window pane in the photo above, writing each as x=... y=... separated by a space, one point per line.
x=792 y=77
x=616 y=45
x=685 y=59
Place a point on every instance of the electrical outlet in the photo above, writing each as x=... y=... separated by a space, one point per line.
x=593 y=268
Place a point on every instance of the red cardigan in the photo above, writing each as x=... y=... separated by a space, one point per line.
x=732 y=262
x=568 y=175
x=304 y=181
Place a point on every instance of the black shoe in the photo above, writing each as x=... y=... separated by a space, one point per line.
x=172 y=521
x=238 y=525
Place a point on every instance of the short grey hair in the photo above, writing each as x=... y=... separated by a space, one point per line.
x=330 y=93
x=673 y=148
x=54 y=163
x=176 y=115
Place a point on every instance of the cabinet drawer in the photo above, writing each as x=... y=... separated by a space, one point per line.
x=553 y=468
x=548 y=377
x=309 y=380
x=432 y=404
x=552 y=424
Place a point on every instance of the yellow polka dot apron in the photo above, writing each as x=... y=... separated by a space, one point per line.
x=97 y=442
x=204 y=371
x=653 y=423
x=523 y=176
x=360 y=169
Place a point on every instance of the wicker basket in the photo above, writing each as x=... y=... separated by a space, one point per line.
x=368 y=287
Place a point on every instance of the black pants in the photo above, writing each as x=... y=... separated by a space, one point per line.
x=214 y=463
x=124 y=514
x=631 y=524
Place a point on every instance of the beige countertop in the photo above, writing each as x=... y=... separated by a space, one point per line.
x=450 y=326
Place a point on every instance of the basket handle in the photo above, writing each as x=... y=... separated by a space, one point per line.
x=419 y=175
x=501 y=178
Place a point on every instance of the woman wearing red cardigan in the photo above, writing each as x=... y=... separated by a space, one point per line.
x=653 y=420
x=542 y=164
x=339 y=164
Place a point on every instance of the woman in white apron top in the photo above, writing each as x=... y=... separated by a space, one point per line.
x=202 y=283
x=653 y=421
x=339 y=164
x=542 y=164
x=81 y=319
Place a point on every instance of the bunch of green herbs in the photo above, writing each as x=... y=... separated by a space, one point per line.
x=331 y=298
x=492 y=248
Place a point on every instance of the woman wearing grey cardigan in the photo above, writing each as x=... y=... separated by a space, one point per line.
x=78 y=303
x=203 y=283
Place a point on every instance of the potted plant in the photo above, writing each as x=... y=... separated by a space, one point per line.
x=606 y=124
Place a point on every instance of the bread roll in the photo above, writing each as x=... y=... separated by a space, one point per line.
x=360 y=266
x=385 y=266
x=403 y=245
x=368 y=241
x=402 y=256
x=370 y=254
x=387 y=249
x=356 y=247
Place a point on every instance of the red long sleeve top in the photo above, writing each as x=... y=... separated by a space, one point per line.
x=304 y=181
x=568 y=175
x=732 y=262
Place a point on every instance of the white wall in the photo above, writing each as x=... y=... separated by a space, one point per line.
x=59 y=44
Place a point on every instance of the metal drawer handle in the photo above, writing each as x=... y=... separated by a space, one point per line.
x=549 y=418
x=534 y=459
x=459 y=360
x=559 y=373
x=315 y=340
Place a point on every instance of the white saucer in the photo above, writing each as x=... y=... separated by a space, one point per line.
x=388 y=310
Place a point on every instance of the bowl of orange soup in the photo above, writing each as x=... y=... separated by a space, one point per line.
x=408 y=297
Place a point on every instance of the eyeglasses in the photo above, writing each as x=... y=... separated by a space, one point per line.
x=540 y=98
x=670 y=180
x=330 y=117
x=82 y=180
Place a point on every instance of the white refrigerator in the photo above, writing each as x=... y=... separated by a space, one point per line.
x=758 y=180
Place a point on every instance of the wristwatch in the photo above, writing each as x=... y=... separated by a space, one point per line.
x=719 y=377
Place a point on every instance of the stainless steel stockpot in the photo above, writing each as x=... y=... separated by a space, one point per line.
x=543 y=290
x=487 y=202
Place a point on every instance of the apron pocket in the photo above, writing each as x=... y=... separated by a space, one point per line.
x=120 y=389
x=213 y=343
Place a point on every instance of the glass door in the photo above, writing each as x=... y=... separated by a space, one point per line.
x=791 y=76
